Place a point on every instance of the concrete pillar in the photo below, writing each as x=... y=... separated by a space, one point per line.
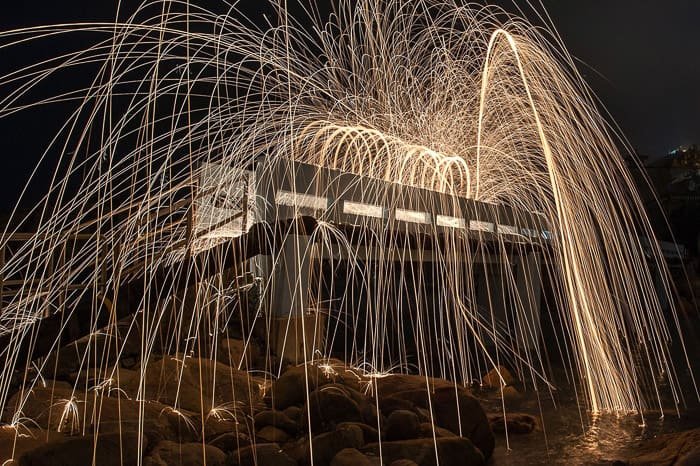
x=297 y=330
x=528 y=282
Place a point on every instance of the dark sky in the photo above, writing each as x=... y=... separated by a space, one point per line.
x=642 y=58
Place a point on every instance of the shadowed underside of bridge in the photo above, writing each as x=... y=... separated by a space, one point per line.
x=292 y=201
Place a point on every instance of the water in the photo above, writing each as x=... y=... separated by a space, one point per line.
x=571 y=435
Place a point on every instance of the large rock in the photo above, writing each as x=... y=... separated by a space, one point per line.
x=453 y=451
x=327 y=446
x=106 y=451
x=275 y=419
x=175 y=381
x=169 y=453
x=271 y=434
x=230 y=441
x=291 y=388
x=402 y=425
x=453 y=408
x=44 y=405
x=59 y=408
x=330 y=405
x=350 y=457
x=680 y=448
x=296 y=382
x=513 y=423
x=14 y=443
x=262 y=454
x=497 y=377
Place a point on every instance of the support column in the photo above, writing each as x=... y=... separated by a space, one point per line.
x=529 y=286
x=297 y=330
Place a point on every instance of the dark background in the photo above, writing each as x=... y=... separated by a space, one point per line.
x=641 y=57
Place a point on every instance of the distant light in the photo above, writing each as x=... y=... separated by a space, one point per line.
x=412 y=216
x=293 y=199
x=507 y=229
x=365 y=210
x=450 y=222
x=478 y=225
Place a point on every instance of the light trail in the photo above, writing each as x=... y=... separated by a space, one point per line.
x=465 y=101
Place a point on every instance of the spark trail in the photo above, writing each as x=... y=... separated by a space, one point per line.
x=462 y=100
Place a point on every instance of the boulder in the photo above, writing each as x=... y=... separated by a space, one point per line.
x=402 y=425
x=175 y=381
x=168 y=453
x=290 y=389
x=262 y=454
x=44 y=405
x=271 y=434
x=106 y=450
x=513 y=423
x=370 y=433
x=668 y=449
x=350 y=457
x=403 y=463
x=276 y=419
x=327 y=446
x=428 y=430
x=230 y=441
x=455 y=451
x=15 y=442
x=392 y=403
x=497 y=377
x=294 y=413
x=329 y=406
x=453 y=408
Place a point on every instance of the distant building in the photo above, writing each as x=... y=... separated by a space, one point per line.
x=676 y=180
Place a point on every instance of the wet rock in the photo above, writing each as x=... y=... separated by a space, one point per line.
x=403 y=463
x=461 y=413
x=402 y=383
x=456 y=451
x=391 y=403
x=370 y=433
x=271 y=434
x=329 y=406
x=262 y=454
x=512 y=397
x=276 y=419
x=327 y=446
x=428 y=430
x=402 y=425
x=514 y=423
x=350 y=457
x=291 y=388
x=691 y=458
x=453 y=408
x=169 y=453
x=42 y=405
x=230 y=441
x=14 y=443
x=217 y=425
x=497 y=377
x=668 y=449
x=294 y=413
x=72 y=451
x=174 y=380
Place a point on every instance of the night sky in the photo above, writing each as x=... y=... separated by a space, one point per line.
x=641 y=57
